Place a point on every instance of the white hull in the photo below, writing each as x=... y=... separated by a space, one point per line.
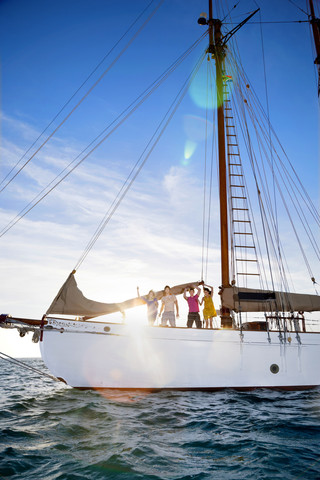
x=85 y=355
x=130 y=357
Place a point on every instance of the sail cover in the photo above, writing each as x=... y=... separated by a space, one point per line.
x=250 y=300
x=71 y=301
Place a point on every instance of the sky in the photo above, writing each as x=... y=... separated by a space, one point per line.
x=48 y=50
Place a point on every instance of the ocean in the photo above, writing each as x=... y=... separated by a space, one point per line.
x=52 y=432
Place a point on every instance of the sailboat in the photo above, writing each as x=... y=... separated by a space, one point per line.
x=264 y=339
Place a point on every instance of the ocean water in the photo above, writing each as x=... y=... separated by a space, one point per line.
x=53 y=432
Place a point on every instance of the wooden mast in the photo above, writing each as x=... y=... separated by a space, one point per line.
x=216 y=49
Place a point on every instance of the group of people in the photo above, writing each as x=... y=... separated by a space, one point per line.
x=170 y=309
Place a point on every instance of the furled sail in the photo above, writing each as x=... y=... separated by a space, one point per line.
x=71 y=301
x=250 y=300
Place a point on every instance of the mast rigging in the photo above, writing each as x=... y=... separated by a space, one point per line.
x=216 y=48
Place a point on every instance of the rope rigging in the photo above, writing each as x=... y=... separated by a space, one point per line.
x=285 y=180
x=209 y=207
x=261 y=187
x=229 y=13
x=14 y=361
x=234 y=70
x=296 y=204
x=207 y=198
x=120 y=119
x=239 y=205
x=84 y=96
x=259 y=115
x=297 y=6
x=274 y=196
x=140 y=162
x=204 y=177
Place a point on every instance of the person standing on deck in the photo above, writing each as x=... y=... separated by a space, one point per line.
x=152 y=304
x=209 y=311
x=193 y=302
x=168 y=302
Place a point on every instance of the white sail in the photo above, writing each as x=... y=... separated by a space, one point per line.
x=251 y=300
x=71 y=301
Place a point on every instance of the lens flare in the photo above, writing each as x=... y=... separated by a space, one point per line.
x=189 y=149
x=203 y=90
x=205 y=81
x=196 y=129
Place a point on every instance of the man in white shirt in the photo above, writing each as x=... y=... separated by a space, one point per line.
x=168 y=302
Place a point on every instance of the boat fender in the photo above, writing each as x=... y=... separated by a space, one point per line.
x=36 y=336
x=22 y=332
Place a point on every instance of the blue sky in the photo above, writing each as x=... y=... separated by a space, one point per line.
x=48 y=50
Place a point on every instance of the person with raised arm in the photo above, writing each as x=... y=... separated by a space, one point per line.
x=208 y=311
x=193 y=303
x=152 y=304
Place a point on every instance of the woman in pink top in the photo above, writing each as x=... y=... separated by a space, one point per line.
x=193 y=302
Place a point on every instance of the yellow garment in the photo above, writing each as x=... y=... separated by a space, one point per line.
x=209 y=310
